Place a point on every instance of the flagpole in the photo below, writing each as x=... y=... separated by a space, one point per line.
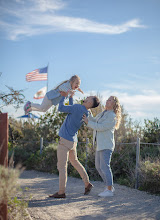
x=47 y=77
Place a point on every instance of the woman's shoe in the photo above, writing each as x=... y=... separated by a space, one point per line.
x=106 y=193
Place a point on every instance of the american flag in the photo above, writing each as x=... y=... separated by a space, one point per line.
x=37 y=75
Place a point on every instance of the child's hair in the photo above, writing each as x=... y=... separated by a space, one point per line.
x=74 y=77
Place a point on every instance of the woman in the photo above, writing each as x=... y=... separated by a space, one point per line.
x=104 y=125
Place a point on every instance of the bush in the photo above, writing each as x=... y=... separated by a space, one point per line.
x=21 y=155
x=123 y=165
x=47 y=161
x=34 y=161
x=150 y=176
x=16 y=208
x=8 y=183
x=151 y=151
x=8 y=190
x=23 y=152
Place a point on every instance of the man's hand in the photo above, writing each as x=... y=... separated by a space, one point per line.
x=65 y=94
x=72 y=93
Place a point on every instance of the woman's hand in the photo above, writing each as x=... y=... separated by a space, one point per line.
x=85 y=119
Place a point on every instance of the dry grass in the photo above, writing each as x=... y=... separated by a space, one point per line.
x=8 y=193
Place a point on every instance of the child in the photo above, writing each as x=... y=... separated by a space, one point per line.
x=53 y=97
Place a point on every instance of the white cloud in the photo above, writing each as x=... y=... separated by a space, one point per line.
x=155 y=59
x=119 y=86
x=140 y=95
x=136 y=83
x=34 y=17
x=47 y=5
x=144 y=105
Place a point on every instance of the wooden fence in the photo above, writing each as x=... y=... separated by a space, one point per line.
x=3 y=156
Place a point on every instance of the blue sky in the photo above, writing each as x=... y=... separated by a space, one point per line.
x=113 y=46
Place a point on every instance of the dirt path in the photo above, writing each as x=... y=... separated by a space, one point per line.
x=126 y=204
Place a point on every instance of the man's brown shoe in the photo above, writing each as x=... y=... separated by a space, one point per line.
x=58 y=196
x=88 y=189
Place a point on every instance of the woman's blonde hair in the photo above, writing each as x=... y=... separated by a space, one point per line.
x=117 y=111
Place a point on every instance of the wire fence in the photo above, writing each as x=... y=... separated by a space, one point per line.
x=86 y=148
x=128 y=149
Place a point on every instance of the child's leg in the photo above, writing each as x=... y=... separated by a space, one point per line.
x=43 y=107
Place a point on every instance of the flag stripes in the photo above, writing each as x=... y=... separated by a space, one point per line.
x=37 y=75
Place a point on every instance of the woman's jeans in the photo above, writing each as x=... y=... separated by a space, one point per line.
x=102 y=163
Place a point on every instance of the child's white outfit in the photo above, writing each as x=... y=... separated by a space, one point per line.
x=52 y=97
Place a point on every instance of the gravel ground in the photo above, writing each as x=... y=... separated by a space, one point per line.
x=126 y=204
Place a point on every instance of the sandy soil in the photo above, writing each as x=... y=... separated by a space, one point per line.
x=126 y=204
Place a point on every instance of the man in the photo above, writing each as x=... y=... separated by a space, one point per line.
x=68 y=141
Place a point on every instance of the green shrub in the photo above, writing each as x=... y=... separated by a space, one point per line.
x=49 y=158
x=124 y=181
x=151 y=151
x=17 y=208
x=150 y=176
x=123 y=165
x=47 y=161
x=34 y=161
x=21 y=155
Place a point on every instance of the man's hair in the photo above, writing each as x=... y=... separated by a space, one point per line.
x=96 y=102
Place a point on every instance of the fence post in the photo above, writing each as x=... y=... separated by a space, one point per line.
x=137 y=163
x=87 y=142
x=3 y=155
x=41 y=144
